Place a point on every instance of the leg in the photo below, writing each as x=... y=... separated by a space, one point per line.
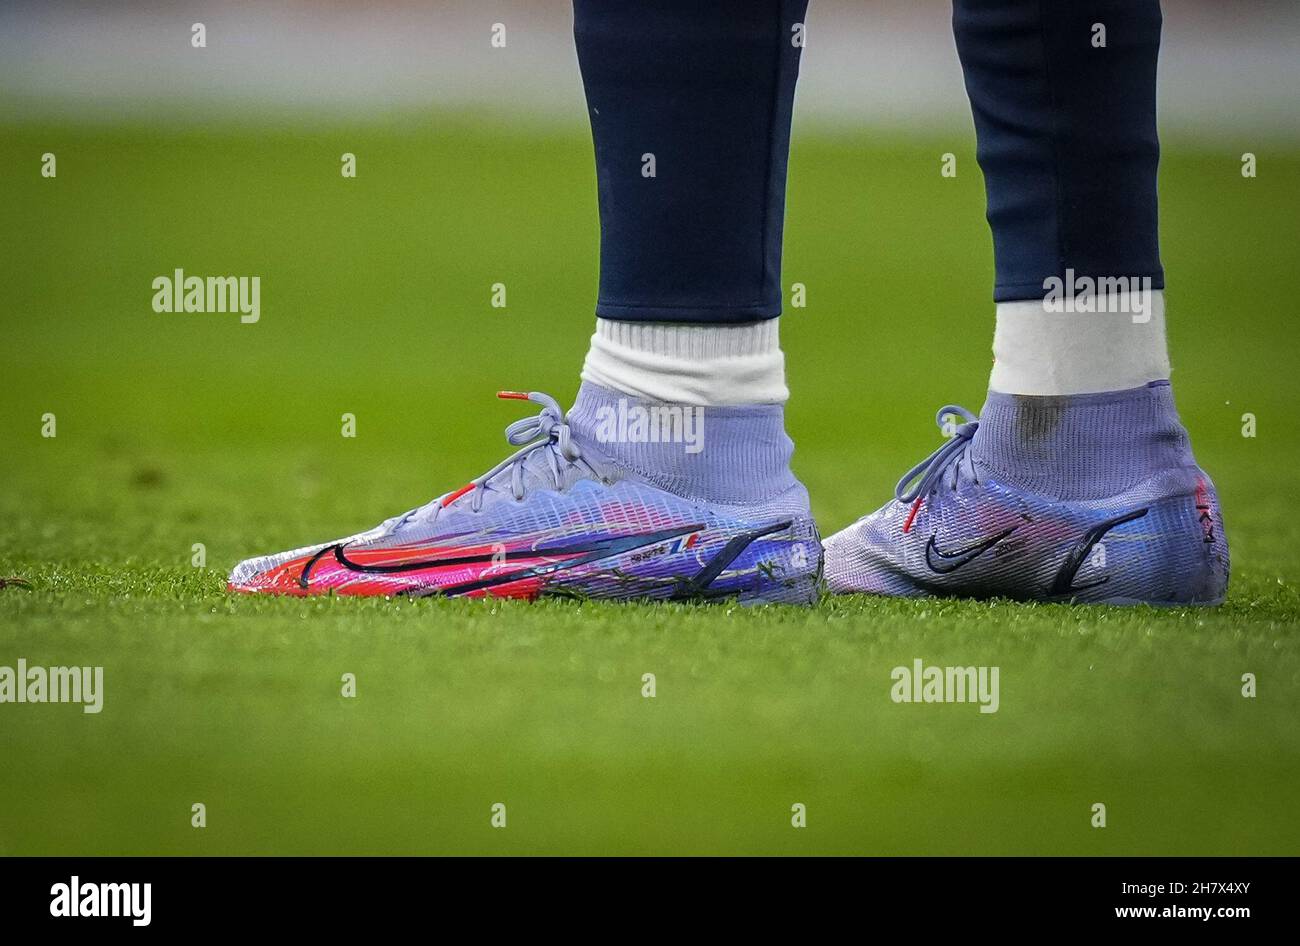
x=1077 y=482
x=1066 y=131
x=690 y=110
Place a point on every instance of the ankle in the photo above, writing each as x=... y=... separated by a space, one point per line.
x=1084 y=446
x=716 y=454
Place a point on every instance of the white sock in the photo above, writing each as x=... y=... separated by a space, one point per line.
x=1041 y=352
x=709 y=365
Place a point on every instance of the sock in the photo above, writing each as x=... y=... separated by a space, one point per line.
x=1083 y=446
x=715 y=454
x=708 y=365
x=1053 y=353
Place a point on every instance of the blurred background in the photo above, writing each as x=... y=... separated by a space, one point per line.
x=474 y=166
x=1227 y=68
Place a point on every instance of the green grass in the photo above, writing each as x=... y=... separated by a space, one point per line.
x=179 y=429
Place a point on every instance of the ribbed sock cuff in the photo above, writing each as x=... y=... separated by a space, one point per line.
x=1083 y=446
x=716 y=454
x=1040 y=351
x=709 y=365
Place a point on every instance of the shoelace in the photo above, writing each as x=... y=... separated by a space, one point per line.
x=921 y=480
x=548 y=431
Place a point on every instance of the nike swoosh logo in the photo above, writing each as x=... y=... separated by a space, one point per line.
x=1064 y=582
x=951 y=561
x=588 y=551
